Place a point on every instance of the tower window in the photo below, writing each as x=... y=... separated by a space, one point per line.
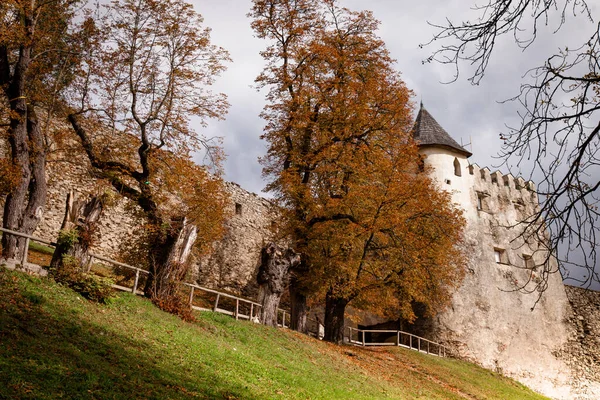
x=457 y=171
x=500 y=256
x=482 y=204
x=238 y=209
x=528 y=260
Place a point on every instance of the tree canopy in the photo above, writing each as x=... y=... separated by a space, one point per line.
x=38 y=44
x=142 y=79
x=342 y=163
x=559 y=130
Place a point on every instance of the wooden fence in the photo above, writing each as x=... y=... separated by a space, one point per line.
x=372 y=337
x=130 y=282
x=131 y=278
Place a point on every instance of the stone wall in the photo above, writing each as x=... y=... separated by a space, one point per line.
x=233 y=263
x=234 y=260
x=582 y=351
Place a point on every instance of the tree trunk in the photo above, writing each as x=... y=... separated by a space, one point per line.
x=38 y=188
x=76 y=231
x=14 y=89
x=335 y=308
x=169 y=263
x=15 y=201
x=25 y=203
x=299 y=309
x=273 y=276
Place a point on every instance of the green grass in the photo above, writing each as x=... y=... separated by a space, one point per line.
x=40 y=248
x=55 y=344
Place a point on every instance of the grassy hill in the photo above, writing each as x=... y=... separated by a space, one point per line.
x=55 y=344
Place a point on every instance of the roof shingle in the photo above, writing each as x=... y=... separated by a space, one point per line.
x=427 y=132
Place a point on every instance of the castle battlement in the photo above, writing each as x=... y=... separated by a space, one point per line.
x=518 y=190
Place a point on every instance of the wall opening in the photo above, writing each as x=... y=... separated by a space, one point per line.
x=457 y=171
x=238 y=209
x=482 y=203
x=528 y=261
x=500 y=256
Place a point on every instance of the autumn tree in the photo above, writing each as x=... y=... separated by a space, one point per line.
x=559 y=130
x=142 y=81
x=344 y=168
x=37 y=46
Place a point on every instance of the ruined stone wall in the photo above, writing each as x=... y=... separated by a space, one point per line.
x=233 y=262
x=582 y=351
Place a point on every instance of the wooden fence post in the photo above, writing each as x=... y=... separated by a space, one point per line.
x=410 y=340
x=363 y=334
x=216 y=303
x=191 y=295
x=25 y=250
x=135 y=282
x=419 y=343
x=251 y=311
x=398 y=339
x=237 y=307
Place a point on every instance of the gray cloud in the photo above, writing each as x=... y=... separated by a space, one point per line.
x=469 y=113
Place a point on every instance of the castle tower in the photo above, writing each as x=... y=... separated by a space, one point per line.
x=490 y=320
x=444 y=154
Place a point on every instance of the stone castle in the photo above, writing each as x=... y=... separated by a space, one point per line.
x=553 y=349
x=490 y=320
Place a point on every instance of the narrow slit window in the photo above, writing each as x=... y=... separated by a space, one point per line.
x=528 y=261
x=457 y=171
x=238 y=209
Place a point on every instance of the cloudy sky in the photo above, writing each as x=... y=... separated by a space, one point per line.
x=471 y=114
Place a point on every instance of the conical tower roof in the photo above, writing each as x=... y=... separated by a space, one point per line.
x=427 y=132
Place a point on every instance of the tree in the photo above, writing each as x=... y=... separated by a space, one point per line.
x=37 y=46
x=141 y=81
x=344 y=167
x=558 y=135
x=272 y=278
x=77 y=230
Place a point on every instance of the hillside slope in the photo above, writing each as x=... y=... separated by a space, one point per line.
x=55 y=344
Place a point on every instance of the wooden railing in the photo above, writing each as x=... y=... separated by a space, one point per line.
x=28 y=238
x=399 y=338
x=241 y=308
x=238 y=307
x=244 y=308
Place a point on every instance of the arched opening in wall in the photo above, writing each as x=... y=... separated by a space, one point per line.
x=456 y=167
x=421 y=163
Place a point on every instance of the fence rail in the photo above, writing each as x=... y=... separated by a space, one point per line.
x=283 y=316
x=398 y=338
x=241 y=308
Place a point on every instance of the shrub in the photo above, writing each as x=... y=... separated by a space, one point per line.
x=92 y=287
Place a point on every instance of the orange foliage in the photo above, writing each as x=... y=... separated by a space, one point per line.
x=142 y=79
x=343 y=165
